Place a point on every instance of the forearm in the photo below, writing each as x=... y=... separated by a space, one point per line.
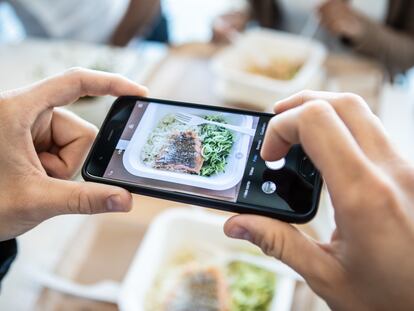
x=394 y=49
x=139 y=16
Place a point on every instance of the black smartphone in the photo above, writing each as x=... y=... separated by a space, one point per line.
x=202 y=155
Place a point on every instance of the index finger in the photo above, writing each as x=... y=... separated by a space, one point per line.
x=323 y=136
x=301 y=98
x=68 y=87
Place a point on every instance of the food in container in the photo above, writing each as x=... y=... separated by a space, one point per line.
x=200 y=150
x=264 y=65
x=205 y=156
x=192 y=282
x=187 y=263
x=195 y=288
x=277 y=68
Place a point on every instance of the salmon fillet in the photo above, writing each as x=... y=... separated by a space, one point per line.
x=181 y=154
x=200 y=289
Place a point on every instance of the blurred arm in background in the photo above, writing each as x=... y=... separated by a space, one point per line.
x=392 y=43
x=141 y=19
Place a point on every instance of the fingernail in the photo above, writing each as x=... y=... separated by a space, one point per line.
x=239 y=233
x=114 y=203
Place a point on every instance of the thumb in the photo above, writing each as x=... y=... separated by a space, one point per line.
x=280 y=240
x=68 y=197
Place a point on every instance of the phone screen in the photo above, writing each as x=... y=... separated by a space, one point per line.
x=209 y=153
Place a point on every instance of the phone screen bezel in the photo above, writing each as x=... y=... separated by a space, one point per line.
x=111 y=131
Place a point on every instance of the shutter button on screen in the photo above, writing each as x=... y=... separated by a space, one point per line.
x=276 y=165
x=268 y=187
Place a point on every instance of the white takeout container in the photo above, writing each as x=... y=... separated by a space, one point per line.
x=169 y=233
x=236 y=160
x=235 y=84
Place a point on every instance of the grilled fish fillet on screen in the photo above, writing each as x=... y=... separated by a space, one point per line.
x=199 y=289
x=181 y=154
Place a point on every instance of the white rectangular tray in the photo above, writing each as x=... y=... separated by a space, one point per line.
x=234 y=83
x=236 y=160
x=178 y=228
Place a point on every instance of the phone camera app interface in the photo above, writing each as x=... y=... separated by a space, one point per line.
x=214 y=154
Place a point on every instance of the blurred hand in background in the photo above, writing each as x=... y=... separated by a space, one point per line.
x=44 y=146
x=226 y=27
x=341 y=19
x=368 y=265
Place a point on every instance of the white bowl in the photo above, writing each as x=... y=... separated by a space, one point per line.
x=173 y=230
x=234 y=83
x=236 y=160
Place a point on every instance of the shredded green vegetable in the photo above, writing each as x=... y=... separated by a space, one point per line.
x=217 y=144
x=252 y=288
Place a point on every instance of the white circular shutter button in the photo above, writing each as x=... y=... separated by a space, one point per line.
x=268 y=187
x=276 y=165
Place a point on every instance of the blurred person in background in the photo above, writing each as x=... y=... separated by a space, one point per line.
x=114 y=22
x=383 y=29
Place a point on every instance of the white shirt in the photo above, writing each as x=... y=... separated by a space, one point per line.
x=84 y=20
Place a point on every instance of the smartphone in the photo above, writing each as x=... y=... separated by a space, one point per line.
x=202 y=155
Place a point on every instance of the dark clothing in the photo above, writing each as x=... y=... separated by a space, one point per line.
x=8 y=252
x=159 y=31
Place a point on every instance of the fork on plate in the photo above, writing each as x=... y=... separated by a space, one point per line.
x=193 y=120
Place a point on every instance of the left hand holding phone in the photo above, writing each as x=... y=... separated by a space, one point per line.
x=43 y=146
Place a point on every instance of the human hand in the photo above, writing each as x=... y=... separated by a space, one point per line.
x=138 y=20
x=339 y=18
x=42 y=146
x=226 y=27
x=368 y=264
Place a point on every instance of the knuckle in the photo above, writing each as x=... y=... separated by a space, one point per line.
x=64 y=174
x=75 y=71
x=79 y=202
x=406 y=178
x=380 y=196
x=91 y=131
x=273 y=122
x=354 y=101
x=305 y=93
x=272 y=244
x=384 y=195
x=316 y=109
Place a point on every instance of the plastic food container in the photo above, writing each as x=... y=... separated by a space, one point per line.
x=190 y=228
x=236 y=160
x=235 y=83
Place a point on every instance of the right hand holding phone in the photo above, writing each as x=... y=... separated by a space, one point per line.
x=368 y=265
